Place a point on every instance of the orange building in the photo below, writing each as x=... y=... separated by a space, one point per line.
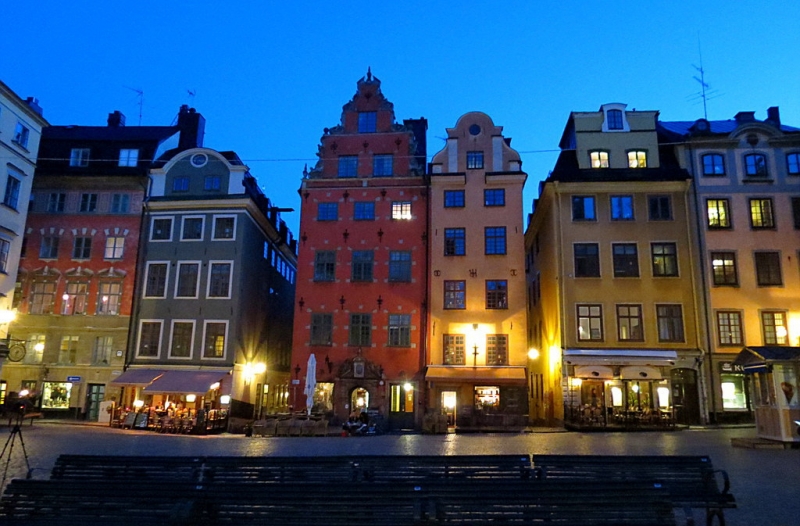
x=361 y=276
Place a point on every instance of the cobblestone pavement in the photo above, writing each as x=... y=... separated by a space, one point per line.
x=764 y=481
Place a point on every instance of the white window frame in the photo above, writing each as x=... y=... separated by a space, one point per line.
x=113 y=247
x=79 y=157
x=147 y=277
x=178 y=280
x=128 y=157
x=214 y=226
x=191 y=340
x=211 y=264
x=401 y=211
x=225 y=346
x=202 y=227
x=139 y=338
x=171 y=229
x=21 y=135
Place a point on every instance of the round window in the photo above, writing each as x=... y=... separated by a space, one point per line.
x=474 y=129
x=199 y=159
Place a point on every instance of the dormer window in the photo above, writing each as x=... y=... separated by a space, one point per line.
x=614 y=119
x=367 y=122
x=755 y=165
x=128 y=157
x=599 y=159
x=637 y=159
x=79 y=157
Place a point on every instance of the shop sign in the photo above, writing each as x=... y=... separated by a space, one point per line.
x=73 y=379
x=295 y=382
x=729 y=367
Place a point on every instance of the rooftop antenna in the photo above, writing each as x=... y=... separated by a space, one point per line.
x=140 y=96
x=192 y=93
x=706 y=93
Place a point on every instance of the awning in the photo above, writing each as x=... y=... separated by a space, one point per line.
x=137 y=377
x=601 y=372
x=186 y=382
x=619 y=357
x=506 y=375
x=639 y=372
x=755 y=359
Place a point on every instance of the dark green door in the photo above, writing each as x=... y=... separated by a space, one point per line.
x=94 y=395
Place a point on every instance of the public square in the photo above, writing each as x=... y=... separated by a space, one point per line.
x=764 y=481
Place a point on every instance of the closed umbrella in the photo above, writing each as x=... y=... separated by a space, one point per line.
x=311 y=381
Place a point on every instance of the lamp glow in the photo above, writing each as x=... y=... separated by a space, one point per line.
x=225 y=399
x=138 y=404
x=191 y=397
x=408 y=387
x=533 y=354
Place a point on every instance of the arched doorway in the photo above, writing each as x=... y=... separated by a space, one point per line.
x=359 y=399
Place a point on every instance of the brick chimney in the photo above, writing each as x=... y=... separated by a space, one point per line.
x=774 y=116
x=116 y=119
x=192 y=127
x=33 y=103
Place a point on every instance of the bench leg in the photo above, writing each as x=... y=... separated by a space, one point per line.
x=715 y=512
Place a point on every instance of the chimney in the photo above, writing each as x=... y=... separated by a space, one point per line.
x=745 y=116
x=774 y=116
x=116 y=119
x=33 y=103
x=192 y=127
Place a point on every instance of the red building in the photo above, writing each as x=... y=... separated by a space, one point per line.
x=361 y=276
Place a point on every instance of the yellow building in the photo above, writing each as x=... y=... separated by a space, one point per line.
x=616 y=339
x=478 y=332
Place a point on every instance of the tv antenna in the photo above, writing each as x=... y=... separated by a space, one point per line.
x=140 y=97
x=706 y=93
x=192 y=93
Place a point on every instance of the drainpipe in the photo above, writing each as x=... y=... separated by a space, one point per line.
x=560 y=297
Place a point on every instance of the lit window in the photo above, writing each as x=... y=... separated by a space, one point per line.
x=401 y=210
x=590 y=322
x=453 y=349
x=729 y=328
x=629 y=323
x=79 y=157
x=214 y=339
x=713 y=164
x=348 y=166
x=773 y=323
x=367 y=122
x=474 y=160
x=497 y=349
x=101 y=352
x=717 y=212
x=109 y=296
x=761 y=213
x=723 y=268
x=455 y=294
x=755 y=165
x=35 y=348
x=74 y=299
x=599 y=159
x=128 y=157
x=665 y=259
x=622 y=207
x=382 y=165
x=42 y=297
x=637 y=159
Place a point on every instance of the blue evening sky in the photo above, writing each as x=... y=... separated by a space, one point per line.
x=269 y=76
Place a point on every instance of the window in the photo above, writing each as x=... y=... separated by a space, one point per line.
x=598 y=159
x=321 y=329
x=454 y=198
x=729 y=328
x=590 y=322
x=494 y=197
x=120 y=203
x=224 y=227
x=74 y=299
x=186 y=284
x=5 y=247
x=360 y=330
x=718 y=214
x=455 y=294
x=42 y=295
x=88 y=203
x=670 y=323
x=115 y=247
x=219 y=279
x=659 y=207
x=212 y=183
x=35 y=348
x=622 y=208
x=455 y=242
x=327 y=211
x=723 y=268
x=614 y=119
x=49 y=248
x=192 y=229
x=453 y=349
x=367 y=121
x=348 y=165
x=128 y=157
x=361 y=266
x=324 y=265
x=109 y=296
x=182 y=336
x=56 y=202
x=180 y=184
x=761 y=213
x=755 y=165
x=474 y=160
x=495 y=240
x=713 y=164
x=364 y=211
x=629 y=323
x=11 y=198
x=793 y=164
x=156 y=280
x=214 y=339
x=82 y=247
x=68 y=352
x=768 y=269
x=665 y=259
x=162 y=229
x=382 y=165
x=496 y=294
x=587 y=260
x=400 y=266
x=583 y=208
x=773 y=323
x=149 y=339
x=79 y=157
x=626 y=260
x=21 y=135
x=56 y=395
x=401 y=210
x=101 y=352
x=637 y=159
x=497 y=349
x=399 y=330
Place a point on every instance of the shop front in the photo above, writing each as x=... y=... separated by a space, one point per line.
x=621 y=389
x=734 y=398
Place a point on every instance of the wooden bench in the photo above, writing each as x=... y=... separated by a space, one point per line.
x=691 y=481
x=392 y=468
x=174 y=503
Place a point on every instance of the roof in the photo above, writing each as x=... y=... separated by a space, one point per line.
x=108 y=133
x=566 y=170
x=715 y=127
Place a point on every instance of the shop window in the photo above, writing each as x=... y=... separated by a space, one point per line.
x=402 y=398
x=323 y=397
x=733 y=391
x=487 y=398
x=56 y=395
